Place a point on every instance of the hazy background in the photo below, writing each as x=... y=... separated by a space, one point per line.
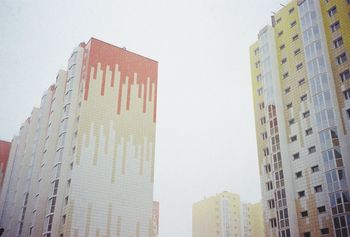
x=205 y=125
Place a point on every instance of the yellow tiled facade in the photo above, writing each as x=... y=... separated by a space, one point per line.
x=300 y=77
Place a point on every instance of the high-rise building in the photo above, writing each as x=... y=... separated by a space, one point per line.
x=218 y=215
x=253 y=223
x=4 y=155
x=301 y=90
x=83 y=163
x=155 y=219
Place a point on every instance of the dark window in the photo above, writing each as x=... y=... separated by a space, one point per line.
x=299 y=66
x=308 y=131
x=318 y=188
x=273 y=222
x=282 y=46
x=296 y=156
x=280 y=33
x=348 y=113
x=321 y=209
x=304 y=214
x=306 y=114
x=301 y=82
x=332 y=11
x=345 y=75
x=342 y=58
x=315 y=169
x=295 y=37
x=296 y=52
x=347 y=94
x=335 y=26
x=291 y=121
x=284 y=60
x=307 y=234
x=291 y=10
x=312 y=149
x=301 y=194
x=299 y=174
x=338 y=42
x=293 y=24
x=285 y=75
x=303 y=98
x=293 y=138
x=324 y=231
x=290 y=105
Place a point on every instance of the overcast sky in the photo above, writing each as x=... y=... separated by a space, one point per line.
x=205 y=126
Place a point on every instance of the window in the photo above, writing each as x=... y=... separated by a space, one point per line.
x=348 y=113
x=273 y=222
x=318 y=188
x=295 y=37
x=299 y=174
x=278 y=20
x=341 y=58
x=299 y=66
x=307 y=234
x=271 y=203
x=332 y=11
x=280 y=33
x=287 y=90
x=347 y=94
x=266 y=151
x=285 y=75
x=257 y=64
x=269 y=186
x=296 y=52
x=301 y=194
x=293 y=138
x=256 y=51
x=267 y=168
x=261 y=106
x=263 y=120
x=284 y=60
x=264 y=135
x=63 y=219
x=258 y=77
x=308 y=131
x=312 y=149
x=306 y=114
x=282 y=46
x=296 y=156
x=293 y=24
x=291 y=10
x=315 y=169
x=303 y=98
x=338 y=42
x=324 y=231
x=335 y=26
x=304 y=214
x=290 y=105
x=291 y=122
x=260 y=91
x=321 y=209
x=345 y=75
x=301 y=82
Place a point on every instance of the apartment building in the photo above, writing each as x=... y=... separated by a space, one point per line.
x=4 y=155
x=301 y=87
x=253 y=223
x=83 y=162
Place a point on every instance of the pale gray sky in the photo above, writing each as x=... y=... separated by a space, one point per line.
x=205 y=125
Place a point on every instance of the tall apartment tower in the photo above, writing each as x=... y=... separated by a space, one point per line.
x=83 y=163
x=253 y=223
x=217 y=216
x=301 y=90
x=4 y=156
